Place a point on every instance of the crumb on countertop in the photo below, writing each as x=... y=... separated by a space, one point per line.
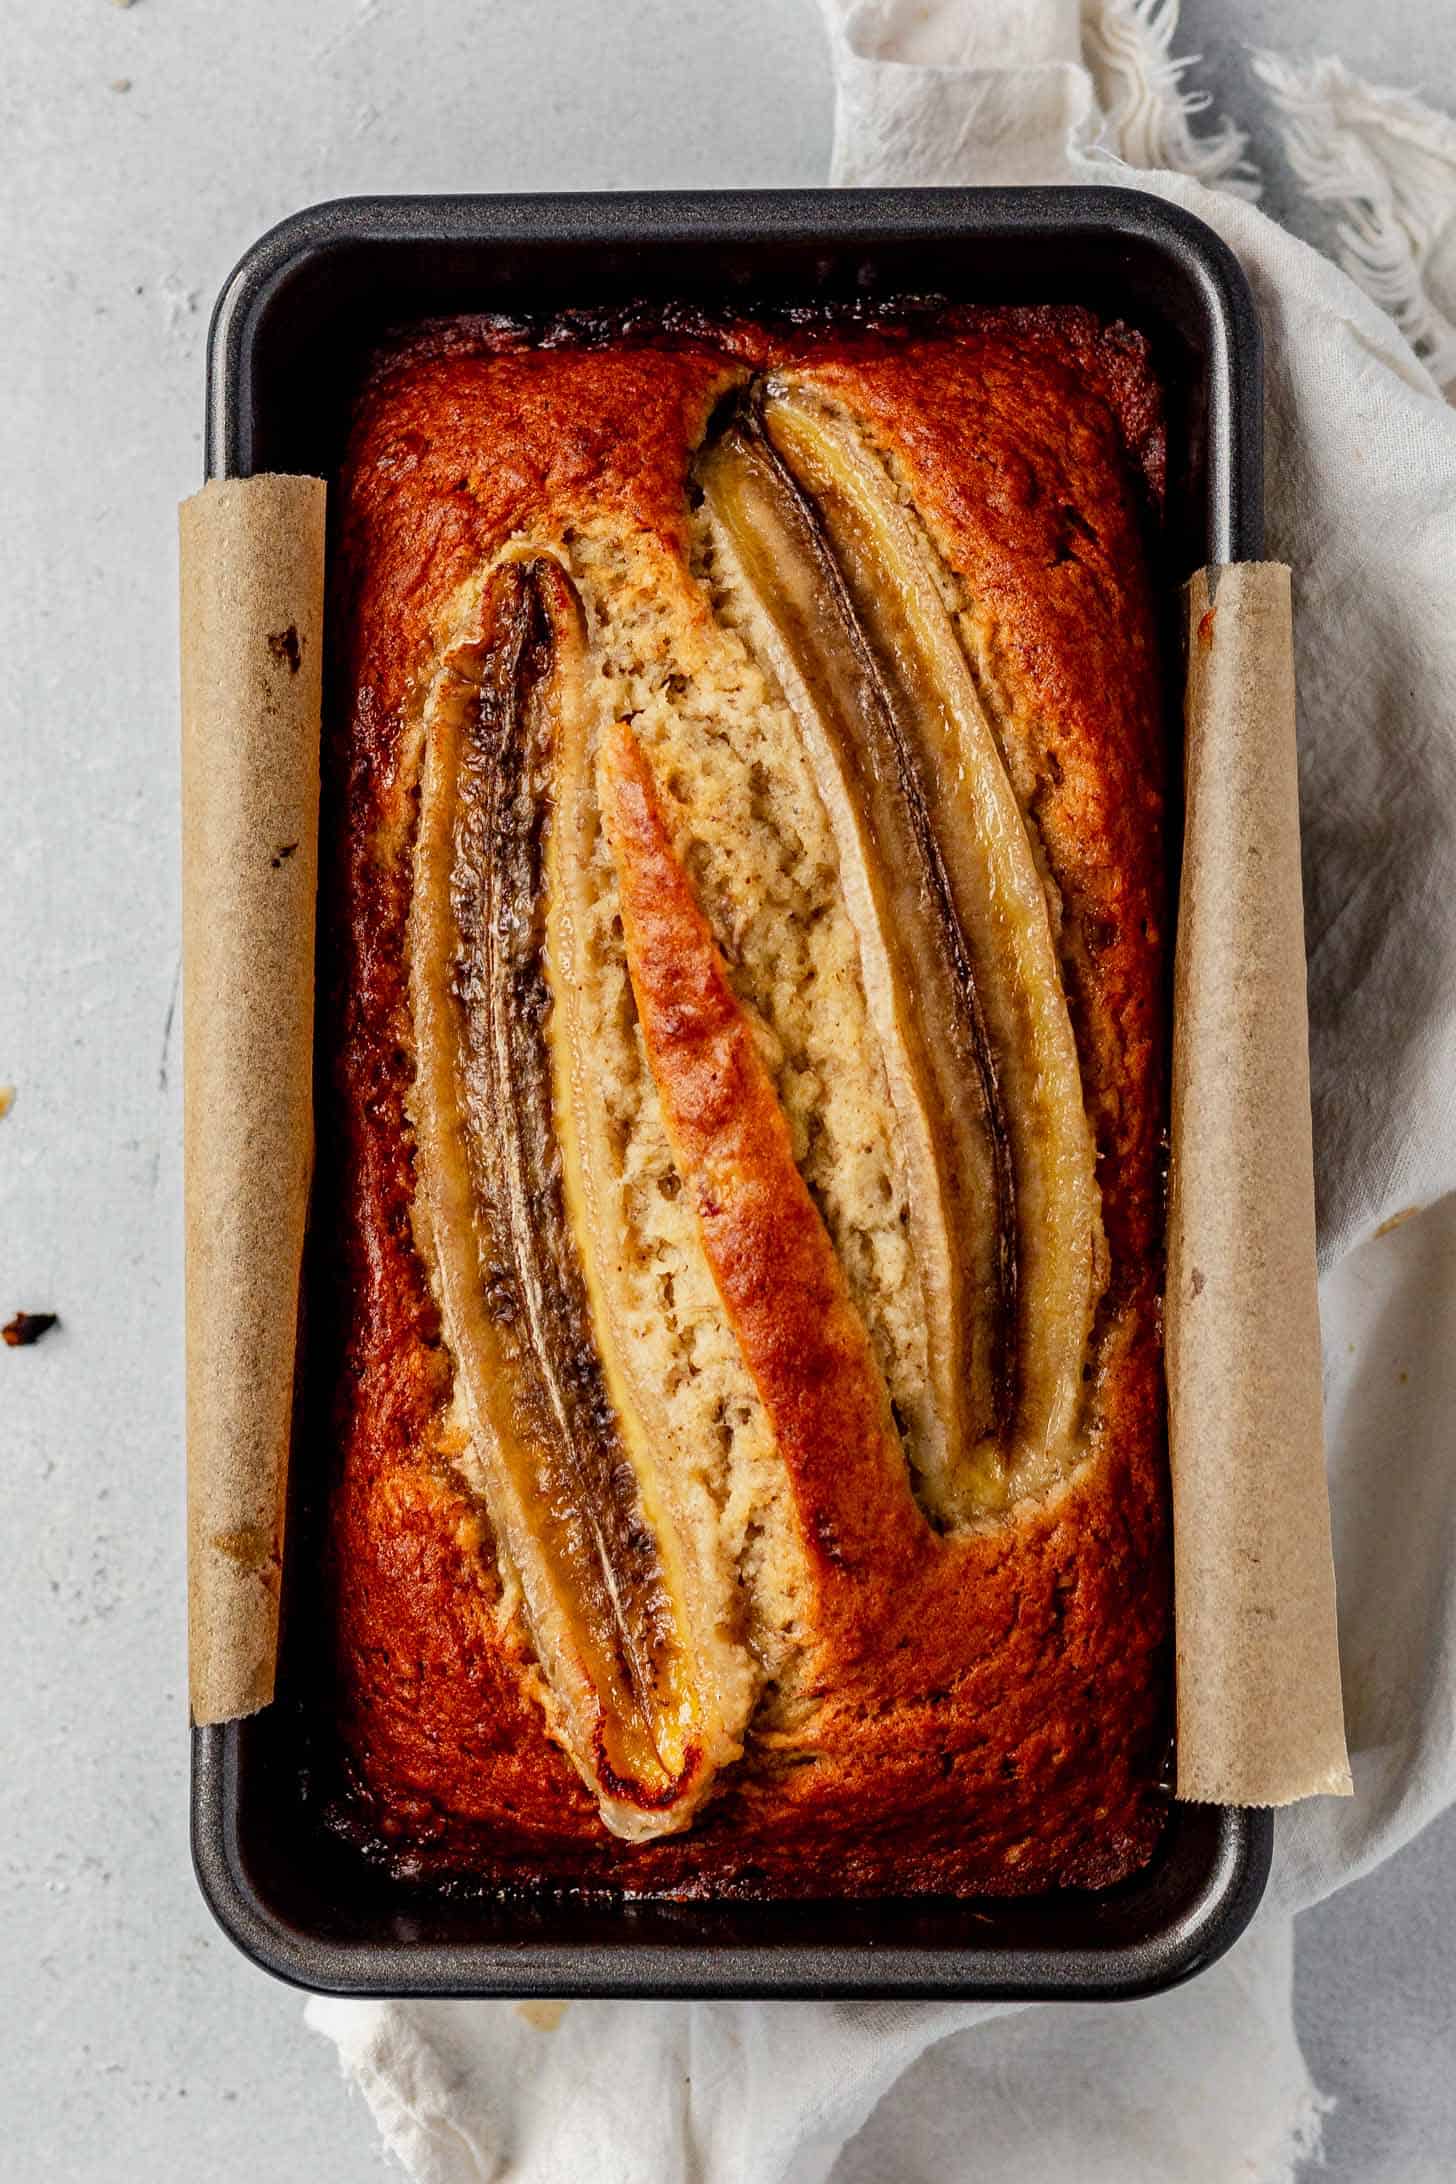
x=27 y=1327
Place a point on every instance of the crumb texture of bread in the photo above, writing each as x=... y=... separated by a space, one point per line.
x=912 y=1695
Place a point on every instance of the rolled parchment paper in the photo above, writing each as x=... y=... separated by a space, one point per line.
x=252 y=569
x=1260 y=1720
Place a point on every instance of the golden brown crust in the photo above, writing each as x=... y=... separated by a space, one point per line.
x=775 y=1269
x=992 y=1718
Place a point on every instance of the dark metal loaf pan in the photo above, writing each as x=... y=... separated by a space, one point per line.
x=287 y=338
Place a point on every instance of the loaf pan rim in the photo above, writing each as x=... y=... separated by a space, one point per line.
x=874 y=220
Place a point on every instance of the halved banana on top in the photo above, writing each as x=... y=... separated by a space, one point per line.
x=959 y=960
x=647 y=1689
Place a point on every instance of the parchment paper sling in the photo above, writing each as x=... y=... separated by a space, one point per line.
x=1259 y=1717
x=252 y=629
x=1260 y=1720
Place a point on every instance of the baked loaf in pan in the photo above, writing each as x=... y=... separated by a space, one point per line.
x=746 y=1012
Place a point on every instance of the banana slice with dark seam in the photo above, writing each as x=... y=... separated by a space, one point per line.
x=575 y=1518
x=956 y=944
x=959 y=1191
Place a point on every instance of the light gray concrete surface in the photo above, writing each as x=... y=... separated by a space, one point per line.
x=1375 y=2003
x=143 y=147
x=1410 y=44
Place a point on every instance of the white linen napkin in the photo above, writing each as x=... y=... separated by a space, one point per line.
x=1361 y=484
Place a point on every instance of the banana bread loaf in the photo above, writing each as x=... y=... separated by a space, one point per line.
x=745 y=928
